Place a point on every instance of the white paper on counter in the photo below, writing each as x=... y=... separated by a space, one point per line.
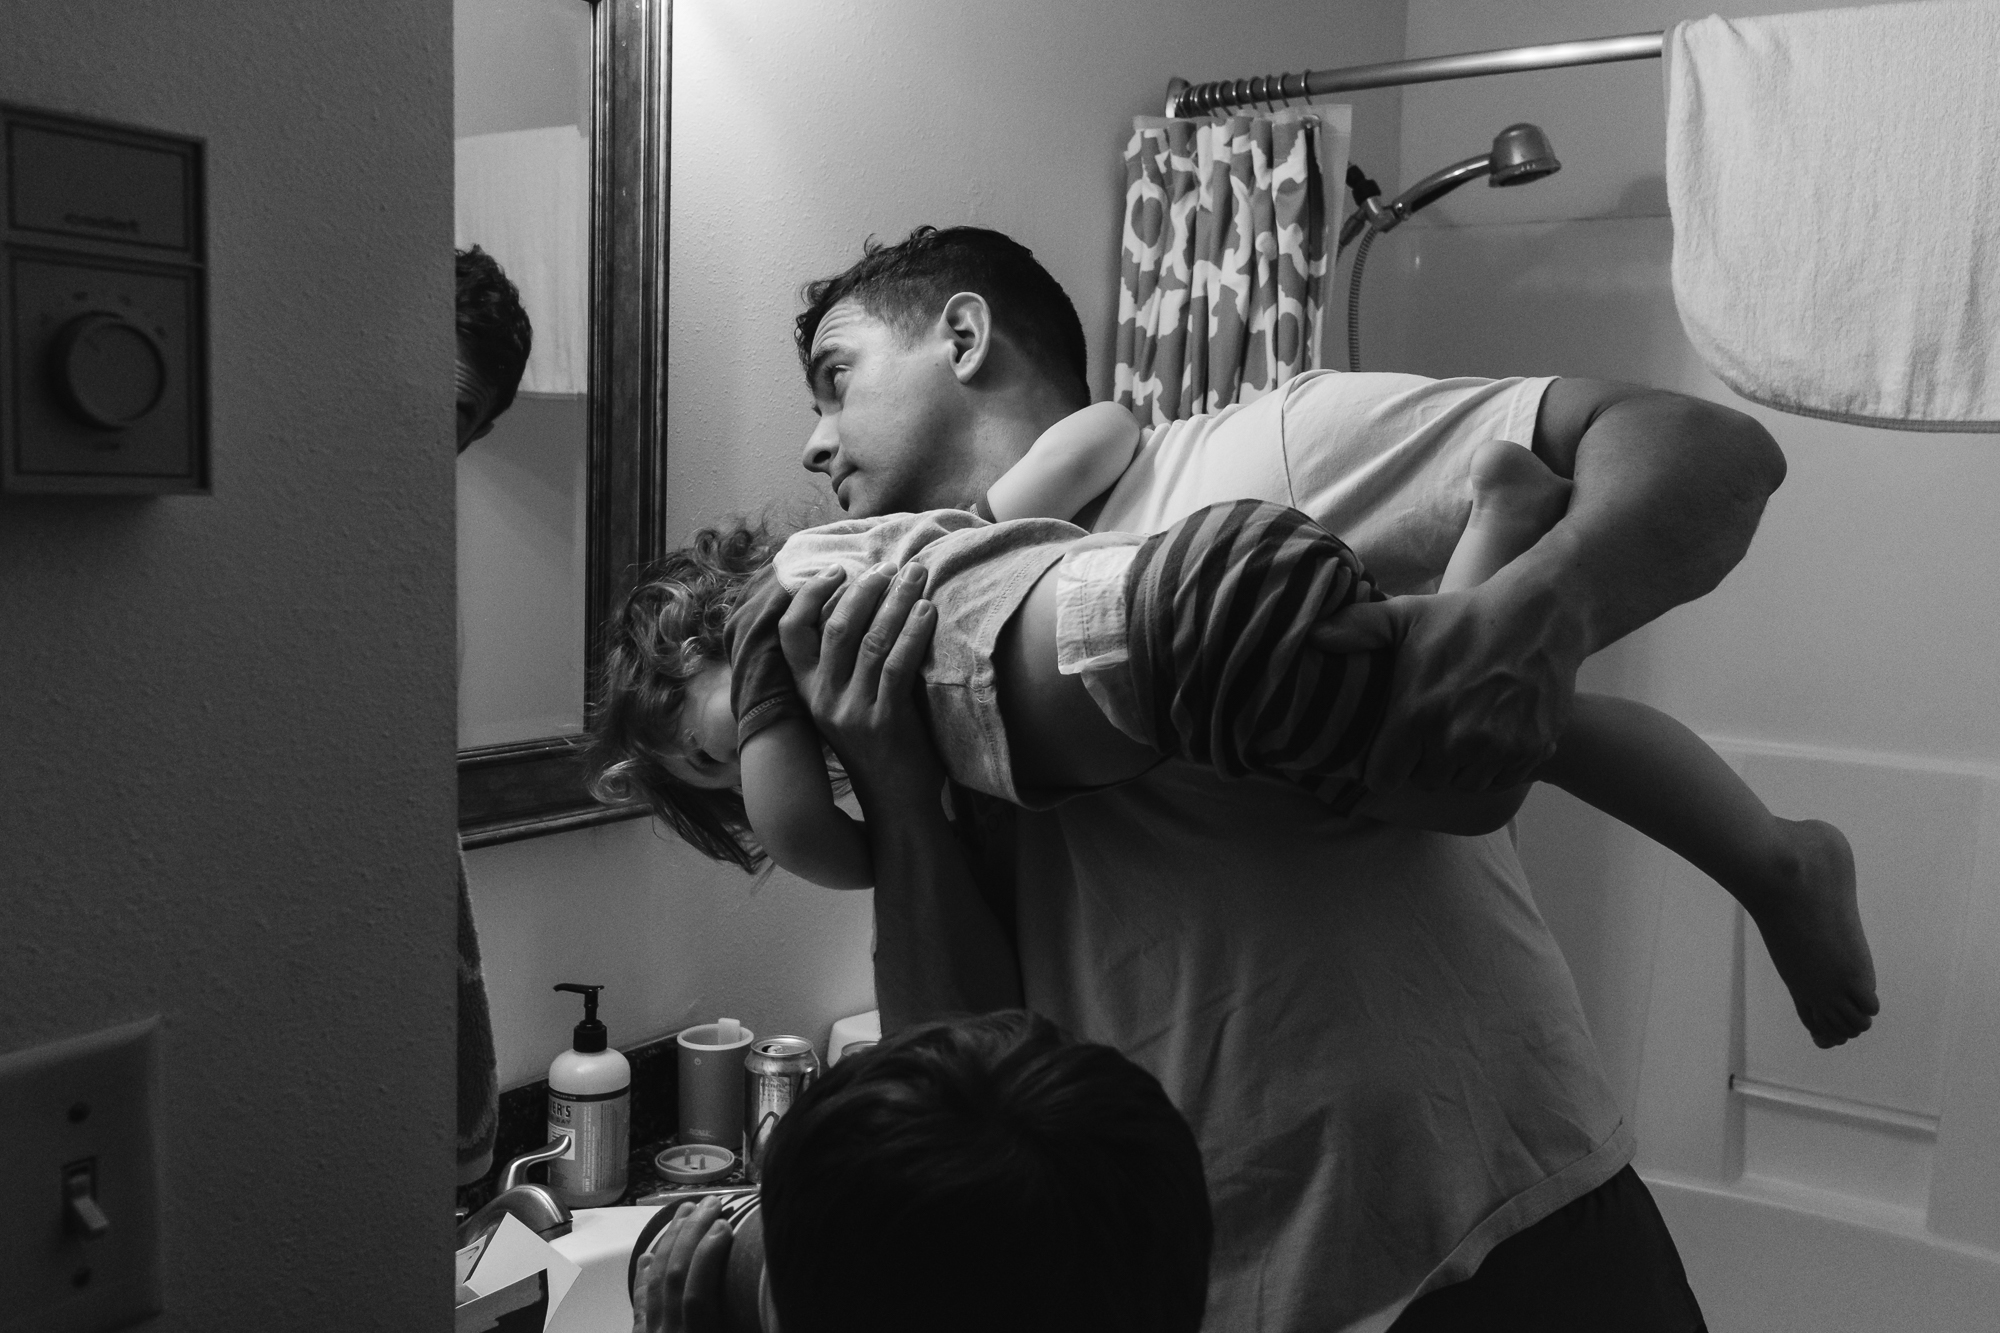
x=516 y=1252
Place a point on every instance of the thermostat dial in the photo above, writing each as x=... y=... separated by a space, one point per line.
x=108 y=371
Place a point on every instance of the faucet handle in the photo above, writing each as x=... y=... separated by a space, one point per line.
x=517 y=1170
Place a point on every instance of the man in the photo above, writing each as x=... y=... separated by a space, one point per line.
x=493 y=342
x=1369 y=1028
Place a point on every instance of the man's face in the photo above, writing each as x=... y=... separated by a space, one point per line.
x=475 y=402
x=888 y=407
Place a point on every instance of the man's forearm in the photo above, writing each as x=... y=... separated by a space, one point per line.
x=939 y=949
x=1668 y=493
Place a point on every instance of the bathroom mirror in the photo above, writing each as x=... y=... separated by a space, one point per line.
x=561 y=111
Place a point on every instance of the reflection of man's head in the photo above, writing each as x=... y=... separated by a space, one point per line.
x=493 y=341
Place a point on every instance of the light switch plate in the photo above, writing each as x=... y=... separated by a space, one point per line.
x=85 y=1100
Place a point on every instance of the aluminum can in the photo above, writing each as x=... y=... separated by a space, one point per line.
x=775 y=1071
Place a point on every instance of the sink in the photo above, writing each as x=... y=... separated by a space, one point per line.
x=600 y=1243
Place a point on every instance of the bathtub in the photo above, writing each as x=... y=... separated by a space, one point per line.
x=1762 y=1262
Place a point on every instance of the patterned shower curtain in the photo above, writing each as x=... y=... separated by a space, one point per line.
x=1223 y=262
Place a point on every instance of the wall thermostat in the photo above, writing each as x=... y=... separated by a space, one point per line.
x=103 y=309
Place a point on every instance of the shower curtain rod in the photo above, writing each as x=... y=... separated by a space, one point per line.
x=1184 y=98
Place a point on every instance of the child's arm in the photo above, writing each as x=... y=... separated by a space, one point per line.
x=1069 y=465
x=789 y=799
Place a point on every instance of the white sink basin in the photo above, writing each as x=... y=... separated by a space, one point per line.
x=600 y=1243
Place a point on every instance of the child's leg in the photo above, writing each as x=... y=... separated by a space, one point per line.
x=1794 y=877
x=1218 y=670
x=1515 y=499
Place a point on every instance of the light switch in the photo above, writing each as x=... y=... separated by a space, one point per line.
x=103 y=300
x=79 y=1187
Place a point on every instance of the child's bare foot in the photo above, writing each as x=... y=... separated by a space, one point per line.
x=1805 y=909
x=1511 y=485
x=1515 y=499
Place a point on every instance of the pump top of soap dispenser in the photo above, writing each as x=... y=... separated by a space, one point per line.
x=590 y=1035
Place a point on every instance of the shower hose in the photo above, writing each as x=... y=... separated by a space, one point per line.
x=1368 y=236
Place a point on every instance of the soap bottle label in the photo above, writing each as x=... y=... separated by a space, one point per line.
x=598 y=1130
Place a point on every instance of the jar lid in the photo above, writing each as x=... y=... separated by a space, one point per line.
x=695 y=1163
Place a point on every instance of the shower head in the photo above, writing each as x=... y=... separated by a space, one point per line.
x=1521 y=153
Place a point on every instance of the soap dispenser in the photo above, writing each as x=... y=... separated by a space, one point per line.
x=590 y=1099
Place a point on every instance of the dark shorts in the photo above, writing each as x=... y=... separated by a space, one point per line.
x=1604 y=1263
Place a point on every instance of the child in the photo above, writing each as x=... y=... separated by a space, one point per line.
x=1066 y=660
x=984 y=1174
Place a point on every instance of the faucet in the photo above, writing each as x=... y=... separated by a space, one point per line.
x=535 y=1206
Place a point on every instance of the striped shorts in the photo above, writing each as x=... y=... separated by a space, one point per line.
x=1219 y=669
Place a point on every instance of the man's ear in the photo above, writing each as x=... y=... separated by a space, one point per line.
x=967 y=322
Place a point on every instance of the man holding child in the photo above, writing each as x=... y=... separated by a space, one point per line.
x=1369 y=1028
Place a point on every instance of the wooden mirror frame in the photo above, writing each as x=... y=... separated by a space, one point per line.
x=527 y=788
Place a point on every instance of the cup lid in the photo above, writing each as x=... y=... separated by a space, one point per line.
x=695 y=1163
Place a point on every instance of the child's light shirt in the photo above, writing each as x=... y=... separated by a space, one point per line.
x=979 y=574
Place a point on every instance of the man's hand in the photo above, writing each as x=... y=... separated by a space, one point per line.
x=940 y=946
x=678 y=1287
x=858 y=673
x=1481 y=691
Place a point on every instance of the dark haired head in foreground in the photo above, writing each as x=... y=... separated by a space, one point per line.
x=494 y=338
x=986 y=1174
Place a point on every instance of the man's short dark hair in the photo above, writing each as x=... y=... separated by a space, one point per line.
x=495 y=329
x=906 y=285
x=983 y=1175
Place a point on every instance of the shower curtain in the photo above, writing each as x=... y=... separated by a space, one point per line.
x=1224 y=256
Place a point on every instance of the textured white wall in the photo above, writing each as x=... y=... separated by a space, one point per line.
x=800 y=128
x=226 y=724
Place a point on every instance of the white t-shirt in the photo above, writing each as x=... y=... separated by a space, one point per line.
x=1379 y=460
x=1370 y=1028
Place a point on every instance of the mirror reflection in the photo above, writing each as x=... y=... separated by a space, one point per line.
x=522 y=162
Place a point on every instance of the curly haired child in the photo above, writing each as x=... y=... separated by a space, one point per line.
x=1112 y=652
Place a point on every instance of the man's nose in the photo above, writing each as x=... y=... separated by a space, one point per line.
x=821 y=446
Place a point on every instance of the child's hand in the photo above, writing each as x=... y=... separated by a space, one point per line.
x=678 y=1287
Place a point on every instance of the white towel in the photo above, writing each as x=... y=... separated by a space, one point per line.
x=524 y=197
x=1835 y=185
